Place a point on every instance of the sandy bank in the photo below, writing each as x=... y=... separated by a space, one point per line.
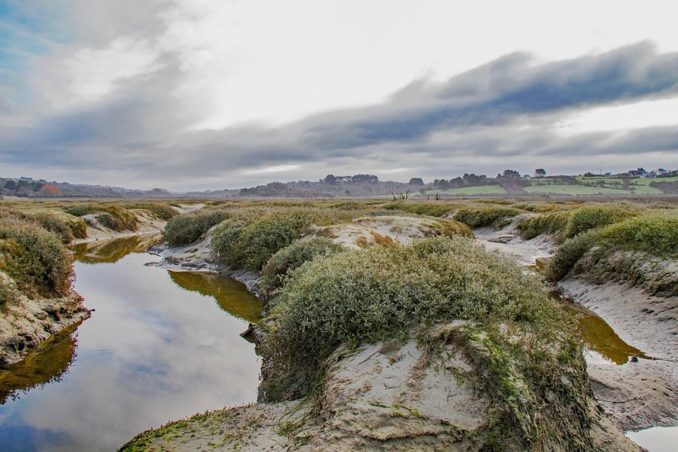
x=637 y=394
x=27 y=323
x=384 y=396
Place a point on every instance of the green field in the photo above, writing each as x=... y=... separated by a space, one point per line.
x=479 y=190
x=568 y=189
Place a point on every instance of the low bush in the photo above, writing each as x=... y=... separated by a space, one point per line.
x=421 y=208
x=34 y=258
x=185 y=229
x=382 y=292
x=159 y=210
x=277 y=268
x=587 y=218
x=263 y=238
x=553 y=223
x=656 y=235
x=226 y=246
x=497 y=217
x=118 y=218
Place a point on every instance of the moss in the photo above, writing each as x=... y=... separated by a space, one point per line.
x=496 y=217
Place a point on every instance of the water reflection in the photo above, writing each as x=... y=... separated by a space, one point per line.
x=231 y=296
x=46 y=365
x=111 y=251
x=600 y=338
x=150 y=353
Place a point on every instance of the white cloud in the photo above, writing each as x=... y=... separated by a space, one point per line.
x=273 y=169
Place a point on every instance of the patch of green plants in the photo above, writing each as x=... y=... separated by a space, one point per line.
x=656 y=235
x=261 y=239
x=552 y=223
x=274 y=273
x=586 y=218
x=383 y=292
x=159 y=210
x=185 y=229
x=116 y=217
x=35 y=259
x=496 y=217
x=432 y=209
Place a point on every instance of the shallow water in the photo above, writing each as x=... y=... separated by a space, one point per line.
x=160 y=346
x=602 y=344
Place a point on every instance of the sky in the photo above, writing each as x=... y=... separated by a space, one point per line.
x=213 y=94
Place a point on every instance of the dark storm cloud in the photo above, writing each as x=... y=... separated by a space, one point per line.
x=505 y=109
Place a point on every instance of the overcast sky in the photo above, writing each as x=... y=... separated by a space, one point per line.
x=205 y=94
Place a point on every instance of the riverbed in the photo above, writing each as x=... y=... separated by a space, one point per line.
x=159 y=346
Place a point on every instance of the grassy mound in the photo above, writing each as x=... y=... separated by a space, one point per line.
x=185 y=229
x=496 y=217
x=66 y=227
x=112 y=216
x=432 y=209
x=34 y=258
x=525 y=352
x=382 y=292
x=655 y=235
x=567 y=224
x=159 y=210
x=277 y=268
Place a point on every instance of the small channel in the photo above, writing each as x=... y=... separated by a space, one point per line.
x=160 y=346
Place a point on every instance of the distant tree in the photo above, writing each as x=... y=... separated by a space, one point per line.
x=369 y=178
x=511 y=173
x=11 y=185
x=417 y=181
x=330 y=180
x=441 y=184
x=540 y=172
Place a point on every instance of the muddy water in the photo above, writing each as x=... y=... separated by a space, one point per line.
x=600 y=340
x=159 y=346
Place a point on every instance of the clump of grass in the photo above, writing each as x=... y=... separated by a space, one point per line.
x=421 y=208
x=496 y=217
x=261 y=239
x=552 y=223
x=655 y=234
x=34 y=258
x=159 y=210
x=225 y=245
x=587 y=218
x=277 y=268
x=382 y=292
x=185 y=229
x=115 y=217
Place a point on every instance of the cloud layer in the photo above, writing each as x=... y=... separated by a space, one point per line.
x=120 y=110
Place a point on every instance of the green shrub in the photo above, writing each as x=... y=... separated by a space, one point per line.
x=8 y=291
x=275 y=271
x=226 y=246
x=496 y=217
x=263 y=238
x=421 y=208
x=56 y=225
x=185 y=229
x=568 y=254
x=118 y=218
x=34 y=258
x=382 y=292
x=159 y=210
x=656 y=235
x=586 y=218
x=552 y=223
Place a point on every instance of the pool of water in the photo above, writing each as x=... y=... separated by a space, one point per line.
x=159 y=346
